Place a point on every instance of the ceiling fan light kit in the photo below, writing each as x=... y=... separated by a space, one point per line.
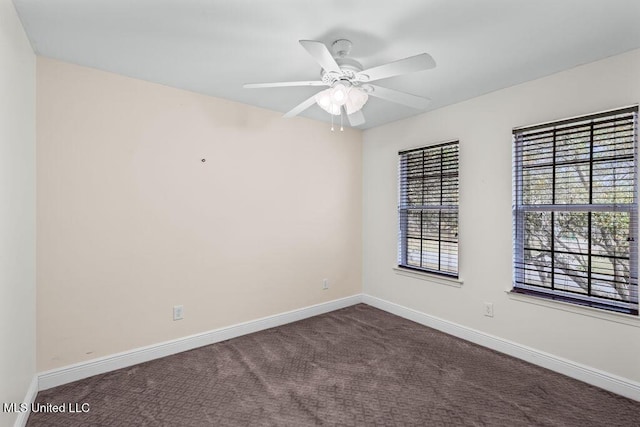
x=348 y=83
x=332 y=100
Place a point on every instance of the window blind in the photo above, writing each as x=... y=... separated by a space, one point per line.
x=576 y=210
x=428 y=209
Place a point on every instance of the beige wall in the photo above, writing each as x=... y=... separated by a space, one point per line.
x=483 y=126
x=17 y=210
x=131 y=222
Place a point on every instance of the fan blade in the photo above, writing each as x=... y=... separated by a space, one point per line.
x=356 y=119
x=283 y=84
x=321 y=54
x=301 y=107
x=398 y=97
x=421 y=62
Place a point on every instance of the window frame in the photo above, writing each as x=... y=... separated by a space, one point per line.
x=520 y=209
x=452 y=178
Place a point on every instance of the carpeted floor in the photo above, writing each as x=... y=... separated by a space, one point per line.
x=352 y=367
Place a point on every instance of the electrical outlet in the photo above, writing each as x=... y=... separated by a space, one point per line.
x=488 y=309
x=325 y=284
x=178 y=312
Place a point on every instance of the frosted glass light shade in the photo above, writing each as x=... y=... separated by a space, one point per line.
x=324 y=100
x=356 y=100
x=330 y=100
x=339 y=94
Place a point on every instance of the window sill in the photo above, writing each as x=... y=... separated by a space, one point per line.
x=610 y=316
x=449 y=281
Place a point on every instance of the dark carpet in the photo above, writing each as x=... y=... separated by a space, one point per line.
x=358 y=366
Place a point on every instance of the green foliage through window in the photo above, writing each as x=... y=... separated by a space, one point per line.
x=428 y=209
x=575 y=210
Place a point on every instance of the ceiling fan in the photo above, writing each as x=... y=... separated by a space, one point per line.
x=349 y=84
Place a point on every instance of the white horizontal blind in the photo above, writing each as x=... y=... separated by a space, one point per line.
x=576 y=210
x=428 y=209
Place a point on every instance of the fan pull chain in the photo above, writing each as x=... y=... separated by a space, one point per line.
x=341 y=128
x=332 y=123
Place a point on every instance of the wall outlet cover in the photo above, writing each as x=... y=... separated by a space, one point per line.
x=178 y=312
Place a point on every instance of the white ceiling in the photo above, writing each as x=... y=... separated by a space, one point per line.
x=215 y=46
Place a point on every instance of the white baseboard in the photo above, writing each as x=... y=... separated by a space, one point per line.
x=598 y=378
x=78 y=371
x=29 y=398
x=67 y=374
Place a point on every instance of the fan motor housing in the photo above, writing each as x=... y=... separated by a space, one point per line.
x=349 y=64
x=348 y=69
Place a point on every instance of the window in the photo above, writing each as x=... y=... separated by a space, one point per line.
x=575 y=210
x=428 y=209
